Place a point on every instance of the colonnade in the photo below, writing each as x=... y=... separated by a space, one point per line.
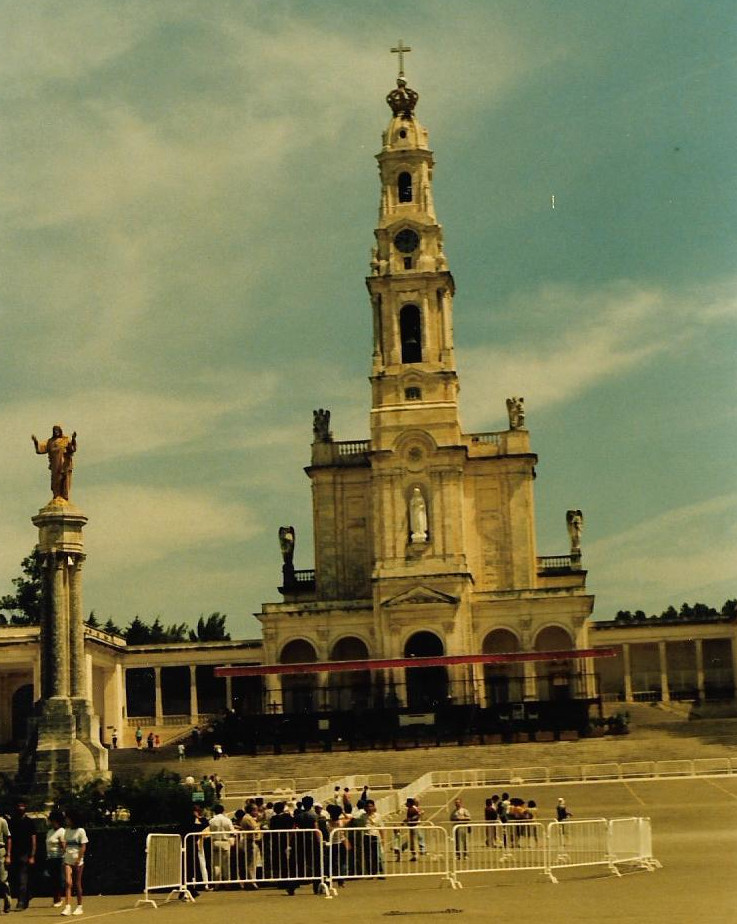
x=662 y=675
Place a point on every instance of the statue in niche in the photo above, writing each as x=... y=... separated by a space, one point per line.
x=60 y=449
x=417 y=516
x=574 y=521
x=516 y=411
x=286 y=544
x=321 y=426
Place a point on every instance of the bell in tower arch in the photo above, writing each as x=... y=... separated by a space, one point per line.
x=410 y=329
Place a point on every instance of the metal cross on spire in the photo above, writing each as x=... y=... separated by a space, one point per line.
x=401 y=50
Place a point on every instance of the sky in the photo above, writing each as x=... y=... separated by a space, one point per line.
x=188 y=194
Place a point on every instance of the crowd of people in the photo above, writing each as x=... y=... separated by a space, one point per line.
x=66 y=844
x=276 y=851
x=279 y=849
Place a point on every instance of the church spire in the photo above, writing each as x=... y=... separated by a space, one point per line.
x=410 y=285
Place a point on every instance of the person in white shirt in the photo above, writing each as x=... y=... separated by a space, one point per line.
x=54 y=855
x=4 y=886
x=460 y=816
x=221 y=831
x=373 y=860
x=75 y=846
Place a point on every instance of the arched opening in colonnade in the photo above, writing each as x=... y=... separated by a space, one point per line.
x=349 y=690
x=504 y=683
x=555 y=678
x=299 y=691
x=427 y=687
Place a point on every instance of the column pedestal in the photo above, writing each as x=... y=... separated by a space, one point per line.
x=63 y=747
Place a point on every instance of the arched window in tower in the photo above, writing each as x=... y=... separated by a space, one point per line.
x=410 y=329
x=404 y=187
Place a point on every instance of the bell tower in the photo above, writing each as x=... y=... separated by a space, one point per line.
x=413 y=378
x=425 y=535
x=417 y=448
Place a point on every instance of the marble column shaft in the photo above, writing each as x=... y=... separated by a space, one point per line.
x=77 y=662
x=194 y=706
x=627 y=665
x=56 y=643
x=663 y=660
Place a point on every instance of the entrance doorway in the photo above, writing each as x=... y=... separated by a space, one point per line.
x=299 y=691
x=427 y=687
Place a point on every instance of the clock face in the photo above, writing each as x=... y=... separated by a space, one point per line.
x=407 y=241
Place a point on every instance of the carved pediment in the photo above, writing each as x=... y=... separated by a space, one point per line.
x=420 y=594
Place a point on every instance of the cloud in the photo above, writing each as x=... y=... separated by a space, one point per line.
x=117 y=425
x=682 y=554
x=131 y=525
x=579 y=338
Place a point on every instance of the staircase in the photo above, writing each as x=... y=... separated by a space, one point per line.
x=655 y=735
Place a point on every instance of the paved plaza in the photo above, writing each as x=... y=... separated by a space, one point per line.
x=694 y=836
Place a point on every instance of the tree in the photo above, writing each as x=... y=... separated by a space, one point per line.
x=140 y=633
x=92 y=621
x=111 y=628
x=26 y=605
x=137 y=633
x=211 y=629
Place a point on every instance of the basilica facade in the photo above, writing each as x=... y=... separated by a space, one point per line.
x=424 y=535
x=428 y=602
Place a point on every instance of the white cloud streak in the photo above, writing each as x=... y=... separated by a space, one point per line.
x=596 y=336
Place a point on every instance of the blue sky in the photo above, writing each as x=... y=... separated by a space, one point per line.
x=188 y=194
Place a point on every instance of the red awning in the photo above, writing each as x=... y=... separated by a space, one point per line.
x=372 y=664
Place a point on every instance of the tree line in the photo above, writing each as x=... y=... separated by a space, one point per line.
x=26 y=605
x=697 y=612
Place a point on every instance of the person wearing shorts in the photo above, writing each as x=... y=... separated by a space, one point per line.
x=75 y=847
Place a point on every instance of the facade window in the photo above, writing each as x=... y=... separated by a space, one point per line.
x=410 y=329
x=413 y=393
x=404 y=187
x=408 y=262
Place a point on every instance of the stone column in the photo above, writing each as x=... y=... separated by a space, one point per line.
x=530 y=679
x=319 y=691
x=158 y=706
x=228 y=692
x=64 y=748
x=56 y=642
x=663 y=659
x=479 y=686
x=36 y=679
x=699 y=646
x=627 y=666
x=118 y=697
x=88 y=679
x=78 y=667
x=399 y=677
x=194 y=706
x=272 y=694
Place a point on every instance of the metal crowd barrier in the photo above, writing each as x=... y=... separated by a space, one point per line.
x=648 y=769
x=496 y=847
x=287 y=859
x=579 y=843
x=388 y=852
x=278 y=785
x=163 y=868
x=489 y=848
x=284 y=858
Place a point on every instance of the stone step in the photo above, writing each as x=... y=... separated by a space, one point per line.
x=672 y=742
